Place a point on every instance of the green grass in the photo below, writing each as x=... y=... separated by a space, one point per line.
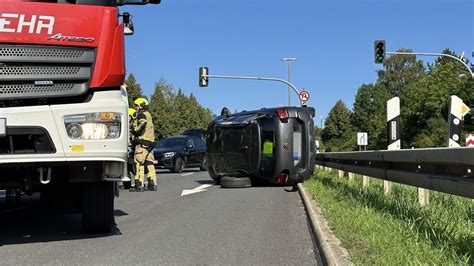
x=378 y=229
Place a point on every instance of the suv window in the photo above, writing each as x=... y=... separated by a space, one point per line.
x=199 y=143
x=189 y=141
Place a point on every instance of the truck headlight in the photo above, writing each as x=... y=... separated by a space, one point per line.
x=93 y=126
x=169 y=154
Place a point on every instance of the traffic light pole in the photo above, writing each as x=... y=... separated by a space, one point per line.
x=435 y=54
x=256 y=78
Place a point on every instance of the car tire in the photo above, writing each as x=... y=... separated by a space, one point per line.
x=213 y=175
x=235 y=182
x=98 y=207
x=203 y=166
x=178 y=165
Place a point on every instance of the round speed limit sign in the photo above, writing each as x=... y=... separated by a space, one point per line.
x=304 y=96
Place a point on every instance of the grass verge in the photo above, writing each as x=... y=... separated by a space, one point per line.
x=378 y=229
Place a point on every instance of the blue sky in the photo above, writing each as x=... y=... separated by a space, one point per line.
x=331 y=39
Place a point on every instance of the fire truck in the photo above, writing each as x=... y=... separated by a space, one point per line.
x=63 y=112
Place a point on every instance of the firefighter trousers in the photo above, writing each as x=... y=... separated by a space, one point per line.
x=144 y=158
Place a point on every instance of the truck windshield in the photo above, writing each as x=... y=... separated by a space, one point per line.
x=78 y=2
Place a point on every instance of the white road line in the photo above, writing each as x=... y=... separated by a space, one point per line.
x=187 y=174
x=195 y=190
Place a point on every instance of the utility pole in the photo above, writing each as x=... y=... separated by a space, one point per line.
x=289 y=60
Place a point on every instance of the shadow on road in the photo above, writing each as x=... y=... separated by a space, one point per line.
x=28 y=222
x=205 y=181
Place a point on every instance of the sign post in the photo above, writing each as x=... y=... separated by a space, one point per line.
x=457 y=110
x=393 y=134
x=204 y=81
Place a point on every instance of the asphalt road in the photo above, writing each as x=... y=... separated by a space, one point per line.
x=214 y=226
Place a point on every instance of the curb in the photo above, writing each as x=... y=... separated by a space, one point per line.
x=329 y=244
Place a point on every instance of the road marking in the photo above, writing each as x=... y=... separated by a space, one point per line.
x=187 y=174
x=195 y=190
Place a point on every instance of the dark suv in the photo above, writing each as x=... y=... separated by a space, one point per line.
x=197 y=132
x=178 y=152
x=275 y=144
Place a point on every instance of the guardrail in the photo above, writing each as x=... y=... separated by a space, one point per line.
x=448 y=170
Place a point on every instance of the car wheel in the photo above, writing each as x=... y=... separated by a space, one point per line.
x=235 y=182
x=213 y=175
x=178 y=165
x=203 y=166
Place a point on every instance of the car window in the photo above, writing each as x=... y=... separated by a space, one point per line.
x=189 y=141
x=198 y=142
x=172 y=142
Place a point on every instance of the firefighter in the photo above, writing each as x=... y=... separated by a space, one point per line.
x=144 y=133
x=132 y=142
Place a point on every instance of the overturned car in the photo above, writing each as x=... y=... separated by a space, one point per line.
x=272 y=144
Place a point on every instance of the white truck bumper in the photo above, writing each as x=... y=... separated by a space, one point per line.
x=113 y=152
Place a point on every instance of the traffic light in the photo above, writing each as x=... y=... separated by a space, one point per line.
x=379 y=51
x=203 y=79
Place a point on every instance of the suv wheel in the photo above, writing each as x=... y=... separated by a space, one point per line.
x=178 y=165
x=203 y=166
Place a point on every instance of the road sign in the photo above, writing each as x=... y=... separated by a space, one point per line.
x=469 y=140
x=362 y=138
x=464 y=109
x=304 y=96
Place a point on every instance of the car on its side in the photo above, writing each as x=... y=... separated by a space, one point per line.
x=271 y=144
x=178 y=152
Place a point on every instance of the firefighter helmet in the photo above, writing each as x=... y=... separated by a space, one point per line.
x=131 y=112
x=141 y=102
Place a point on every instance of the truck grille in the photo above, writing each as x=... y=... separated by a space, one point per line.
x=44 y=71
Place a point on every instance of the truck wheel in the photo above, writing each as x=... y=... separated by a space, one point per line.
x=98 y=207
x=178 y=165
x=235 y=182
x=127 y=185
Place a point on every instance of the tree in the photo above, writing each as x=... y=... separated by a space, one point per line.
x=369 y=114
x=161 y=109
x=428 y=98
x=399 y=72
x=174 y=112
x=134 y=89
x=337 y=130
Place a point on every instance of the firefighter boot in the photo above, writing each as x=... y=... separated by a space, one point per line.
x=151 y=186
x=138 y=187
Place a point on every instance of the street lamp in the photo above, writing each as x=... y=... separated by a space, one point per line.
x=289 y=60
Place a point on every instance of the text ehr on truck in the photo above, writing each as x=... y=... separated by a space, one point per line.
x=63 y=113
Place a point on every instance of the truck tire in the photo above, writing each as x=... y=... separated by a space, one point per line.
x=98 y=207
x=235 y=182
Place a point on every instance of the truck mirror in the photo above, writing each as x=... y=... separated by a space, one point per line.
x=127 y=24
x=203 y=78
